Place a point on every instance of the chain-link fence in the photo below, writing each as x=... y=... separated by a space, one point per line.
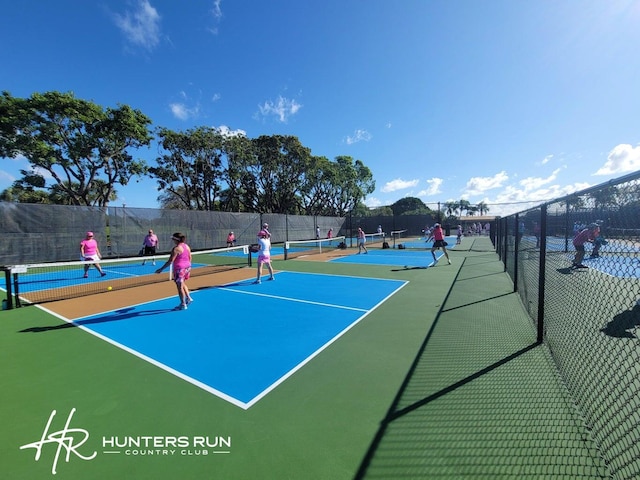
x=575 y=263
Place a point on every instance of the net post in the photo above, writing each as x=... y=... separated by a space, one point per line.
x=16 y=290
x=9 y=290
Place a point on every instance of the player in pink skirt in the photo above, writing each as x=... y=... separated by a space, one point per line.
x=180 y=259
x=264 y=255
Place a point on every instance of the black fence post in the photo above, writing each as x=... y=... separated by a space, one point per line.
x=542 y=271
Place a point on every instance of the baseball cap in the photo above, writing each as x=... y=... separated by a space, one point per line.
x=89 y=234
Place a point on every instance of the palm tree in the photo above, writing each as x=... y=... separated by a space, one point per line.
x=482 y=208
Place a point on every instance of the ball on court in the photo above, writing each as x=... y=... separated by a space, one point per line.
x=109 y=288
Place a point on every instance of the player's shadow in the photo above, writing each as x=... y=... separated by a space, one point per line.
x=118 y=315
x=622 y=324
x=566 y=271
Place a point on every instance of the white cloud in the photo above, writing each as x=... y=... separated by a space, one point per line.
x=546 y=160
x=623 y=158
x=141 y=27
x=216 y=13
x=216 y=97
x=533 y=183
x=227 y=132
x=432 y=189
x=479 y=185
x=398 y=184
x=283 y=108
x=358 y=136
x=180 y=111
x=372 y=202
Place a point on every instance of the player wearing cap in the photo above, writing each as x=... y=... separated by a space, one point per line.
x=231 y=239
x=265 y=229
x=439 y=242
x=89 y=252
x=150 y=246
x=180 y=259
x=264 y=254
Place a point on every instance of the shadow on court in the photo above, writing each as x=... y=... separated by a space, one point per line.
x=481 y=399
x=117 y=316
x=623 y=323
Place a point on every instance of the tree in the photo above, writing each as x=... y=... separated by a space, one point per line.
x=409 y=205
x=482 y=208
x=83 y=147
x=339 y=186
x=464 y=206
x=451 y=208
x=190 y=169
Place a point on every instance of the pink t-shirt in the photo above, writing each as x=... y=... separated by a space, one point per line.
x=90 y=247
x=438 y=234
x=151 y=241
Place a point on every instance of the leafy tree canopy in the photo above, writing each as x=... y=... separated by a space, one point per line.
x=82 y=147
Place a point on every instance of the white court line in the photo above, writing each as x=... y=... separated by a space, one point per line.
x=278 y=297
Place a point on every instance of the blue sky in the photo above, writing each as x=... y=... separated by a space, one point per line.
x=499 y=101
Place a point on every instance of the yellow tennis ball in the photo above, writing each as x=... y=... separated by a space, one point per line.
x=109 y=288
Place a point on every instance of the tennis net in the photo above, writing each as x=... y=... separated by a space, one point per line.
x=46 y=282
x=300 y=248
x=374 y=238
x=398 y=236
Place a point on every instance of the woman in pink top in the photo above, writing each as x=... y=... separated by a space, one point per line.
x=180 y=259
x=438 y=242
x=89 y=252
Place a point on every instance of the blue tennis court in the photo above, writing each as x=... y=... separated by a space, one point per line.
x=407 y=258
x=239 y=341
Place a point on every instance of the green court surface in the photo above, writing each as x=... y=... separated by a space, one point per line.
x=442 y=380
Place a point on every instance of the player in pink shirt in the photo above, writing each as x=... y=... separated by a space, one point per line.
x=150 y=245
x=439 y=242
x=89 y=252
x=180 y=259
x=585 y=235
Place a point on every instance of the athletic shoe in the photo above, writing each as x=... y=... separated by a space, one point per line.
x=86 y=275
x=103 y=274
x=449 y=261
x=257 y=282
x=189 y=300
x=182 y=306
x=272 y=278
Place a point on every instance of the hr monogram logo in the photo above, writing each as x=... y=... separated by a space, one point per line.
x=71 y=439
